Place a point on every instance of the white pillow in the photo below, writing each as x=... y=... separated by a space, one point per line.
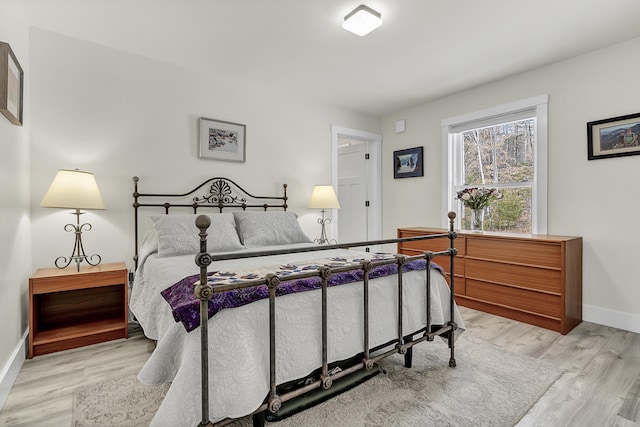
x=178 y=234
x=269 y=228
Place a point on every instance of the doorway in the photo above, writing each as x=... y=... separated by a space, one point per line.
x=357 y=177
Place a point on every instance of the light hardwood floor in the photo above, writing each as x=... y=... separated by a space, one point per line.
x=600 y=385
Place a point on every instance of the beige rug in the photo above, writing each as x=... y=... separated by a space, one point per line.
x=121 y=401
x=489 y=387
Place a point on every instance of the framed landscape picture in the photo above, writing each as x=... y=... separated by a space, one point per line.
x=614 y=137
x=221 y=140
x=408 y=163
x=11 y=85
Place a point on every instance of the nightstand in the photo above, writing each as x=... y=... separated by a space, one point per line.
x=69 y=309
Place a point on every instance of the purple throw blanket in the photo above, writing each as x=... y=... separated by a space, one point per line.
x=186 y=307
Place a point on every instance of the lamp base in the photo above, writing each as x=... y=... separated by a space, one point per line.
x=323 y=233
x=78 y=254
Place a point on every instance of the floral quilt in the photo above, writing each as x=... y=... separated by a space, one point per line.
x=186 y=307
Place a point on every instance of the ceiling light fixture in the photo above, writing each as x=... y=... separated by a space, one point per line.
x=362 y=20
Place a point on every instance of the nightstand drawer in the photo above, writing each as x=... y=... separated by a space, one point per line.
x=76 y=281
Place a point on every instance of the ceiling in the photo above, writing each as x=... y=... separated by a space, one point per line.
x=425 y=49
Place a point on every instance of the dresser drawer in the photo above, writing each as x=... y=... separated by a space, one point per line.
x=445 y=263
x=460 y=285
x=541 y=279
x=434 y=245
x=516 y=251
x=521 y=299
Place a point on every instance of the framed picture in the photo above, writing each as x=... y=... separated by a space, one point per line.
x=11 y=85
x=614 y=137
x=222 y=140
x=407 y=163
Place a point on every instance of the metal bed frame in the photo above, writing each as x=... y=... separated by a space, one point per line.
x=224 y=193
x=215 y=193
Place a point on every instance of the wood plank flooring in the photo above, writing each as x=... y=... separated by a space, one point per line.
x=600 y=386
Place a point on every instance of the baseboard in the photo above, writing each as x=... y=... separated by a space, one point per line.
x=12 y=368
x=615 y=319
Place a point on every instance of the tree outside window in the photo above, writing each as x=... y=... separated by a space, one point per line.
x=502 y=156
x=503 y=147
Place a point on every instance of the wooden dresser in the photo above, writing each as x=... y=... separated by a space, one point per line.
x=535 y=279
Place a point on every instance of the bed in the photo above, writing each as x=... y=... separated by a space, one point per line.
x=334 y=303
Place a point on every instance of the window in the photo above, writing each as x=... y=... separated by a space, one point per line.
x=504 y=148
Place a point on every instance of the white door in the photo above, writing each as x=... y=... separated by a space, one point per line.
x=357 y=180
x=352 y=192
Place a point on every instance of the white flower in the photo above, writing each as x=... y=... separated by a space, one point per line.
x=466 y=196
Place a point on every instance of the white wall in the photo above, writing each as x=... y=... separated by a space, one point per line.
x=118 y=115
x=598 y=200
x=15 y=240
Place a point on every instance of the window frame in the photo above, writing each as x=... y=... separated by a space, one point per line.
x=452 y=155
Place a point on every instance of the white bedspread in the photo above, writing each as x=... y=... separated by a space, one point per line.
x=239 y=337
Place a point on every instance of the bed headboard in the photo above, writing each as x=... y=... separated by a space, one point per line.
x=213 y=194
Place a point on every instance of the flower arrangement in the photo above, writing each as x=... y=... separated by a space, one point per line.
x=478 y=198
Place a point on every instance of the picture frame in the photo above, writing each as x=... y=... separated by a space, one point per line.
x=220 y=140
x=613 y=137
x=408 y=163
x=11 y=85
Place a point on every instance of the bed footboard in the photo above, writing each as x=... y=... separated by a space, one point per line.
x=402 y=344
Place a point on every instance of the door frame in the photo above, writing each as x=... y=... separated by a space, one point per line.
x=374 y=175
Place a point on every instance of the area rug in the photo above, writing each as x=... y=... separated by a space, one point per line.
x=120 y=401
x=489 y=387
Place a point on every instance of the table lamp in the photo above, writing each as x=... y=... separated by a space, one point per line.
x=74 y=189
x=323 y=197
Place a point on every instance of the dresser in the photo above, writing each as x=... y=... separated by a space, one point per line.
x=536 y=279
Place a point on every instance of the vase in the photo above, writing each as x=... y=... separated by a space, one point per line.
x=477 y=220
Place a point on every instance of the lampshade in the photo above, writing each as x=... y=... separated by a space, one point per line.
x=362 y=20
x=324 y=197
x=73 y=189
